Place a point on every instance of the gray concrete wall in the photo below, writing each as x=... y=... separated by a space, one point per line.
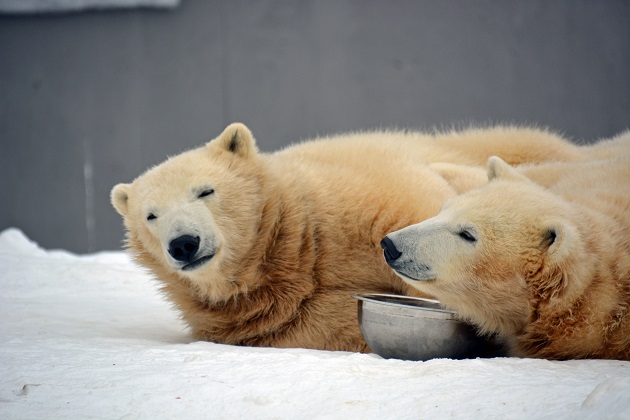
x=89 y=100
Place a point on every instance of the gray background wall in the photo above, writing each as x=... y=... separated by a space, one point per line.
x=88 y=100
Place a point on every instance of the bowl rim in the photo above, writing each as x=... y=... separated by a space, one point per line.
x=371 y=297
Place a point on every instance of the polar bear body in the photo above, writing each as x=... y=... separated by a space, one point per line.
x=547 y=268
x=268 y=249
x=546 y=172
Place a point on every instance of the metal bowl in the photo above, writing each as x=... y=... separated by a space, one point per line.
x=411 y=328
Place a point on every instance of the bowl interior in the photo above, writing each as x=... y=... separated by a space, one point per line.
x=405 y=301
x=406 y=306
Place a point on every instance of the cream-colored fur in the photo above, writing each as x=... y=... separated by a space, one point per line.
x=548 y=268
x=267 y=249
x=464 y=178
x=614 y=147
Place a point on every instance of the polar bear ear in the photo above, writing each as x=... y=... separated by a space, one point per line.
x=499 y=169
x=559 y=242
x=120 y=197
x=559 y=238
x=237 y=139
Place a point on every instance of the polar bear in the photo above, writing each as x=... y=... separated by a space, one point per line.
x=546 y=268
x=268 y=249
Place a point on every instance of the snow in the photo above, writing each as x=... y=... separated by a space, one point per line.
x=89 y=336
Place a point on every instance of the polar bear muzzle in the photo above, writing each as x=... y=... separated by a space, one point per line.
x=407 y=267
x=390 y=251
x=185 y=249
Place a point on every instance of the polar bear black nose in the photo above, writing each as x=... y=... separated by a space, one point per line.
x=389 y=250
x=184 y=248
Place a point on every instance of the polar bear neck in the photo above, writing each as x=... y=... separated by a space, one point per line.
x=586 y=318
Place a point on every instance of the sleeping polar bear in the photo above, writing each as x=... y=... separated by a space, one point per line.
x=548 y=269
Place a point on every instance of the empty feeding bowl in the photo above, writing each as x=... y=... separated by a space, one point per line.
x=411 y=328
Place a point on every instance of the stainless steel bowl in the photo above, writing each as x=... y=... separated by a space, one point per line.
x=410 y=328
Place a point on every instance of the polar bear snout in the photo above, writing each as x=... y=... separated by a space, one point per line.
x=184 y=248
x=188 y=253
x=188 y=236
x=390 y=251
x=402 y=257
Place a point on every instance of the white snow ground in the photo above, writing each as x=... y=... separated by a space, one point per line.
x=88 y=336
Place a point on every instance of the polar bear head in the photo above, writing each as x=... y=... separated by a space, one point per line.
x=493 y=253
x=196 y=214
